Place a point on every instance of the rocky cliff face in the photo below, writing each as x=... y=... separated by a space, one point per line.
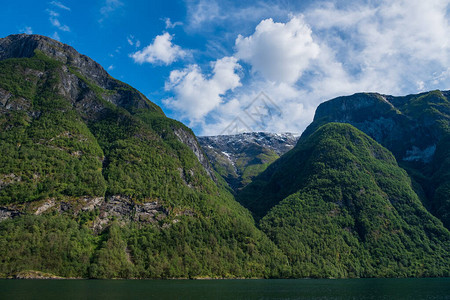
x=410 y=126
x=239 y=158
x=25 y=46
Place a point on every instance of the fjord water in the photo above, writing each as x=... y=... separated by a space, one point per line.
x=413 y=288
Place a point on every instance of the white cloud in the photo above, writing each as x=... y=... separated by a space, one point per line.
x=27 y=30
x=52 y=13
x=391 y=47
x=279 y=51
x=54 y=16
x=59 y=5
x=130 y=40
x=111 y=67
x=109 y=7
x=170 y=25
x=55 y=22
x=203 y=15
x=162 y=50
x=197 y=94
x=203 y=11
x=55 y=36
x=133 y=42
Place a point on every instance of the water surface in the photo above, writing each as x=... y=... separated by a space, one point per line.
x=423 y=288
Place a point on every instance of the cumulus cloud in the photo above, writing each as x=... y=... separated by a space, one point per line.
x=196 y=94
x=391 y=47
x=279 y=51
x=162 y=50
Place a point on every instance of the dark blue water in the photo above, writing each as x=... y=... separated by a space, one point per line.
x=426 y=288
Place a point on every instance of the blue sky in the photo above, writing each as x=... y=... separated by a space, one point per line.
x=229 y=66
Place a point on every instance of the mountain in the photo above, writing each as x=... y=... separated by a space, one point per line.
x=415 y=128
x=95 y=181
x=338 y=205
x=239 y=158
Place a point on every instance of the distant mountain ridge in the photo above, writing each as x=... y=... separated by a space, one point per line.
x=240 y=157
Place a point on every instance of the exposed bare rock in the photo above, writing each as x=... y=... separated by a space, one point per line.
x=407 y=126
x=7 y=213
x=71 y=85
x=45 y=206
x=7 y=179
x=188 y=138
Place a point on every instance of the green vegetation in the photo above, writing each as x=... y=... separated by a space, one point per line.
x=49 y=156
x=440 y=181
x=53 y=147
x=223 y=247
x=339 y=206
x=411 y=127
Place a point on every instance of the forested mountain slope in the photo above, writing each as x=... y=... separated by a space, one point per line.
x=339 y=205
x=415 y=128
x=95 y=181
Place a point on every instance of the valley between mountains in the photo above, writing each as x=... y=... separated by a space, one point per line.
x=96 y=182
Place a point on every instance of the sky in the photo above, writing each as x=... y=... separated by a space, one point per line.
x=224 y=67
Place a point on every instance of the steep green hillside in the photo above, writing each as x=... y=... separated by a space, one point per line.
x=103 y=185
x=338 y=205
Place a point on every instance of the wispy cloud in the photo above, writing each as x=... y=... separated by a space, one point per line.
x=54 y=15
x=27 y=30
x=170 y=25
x=203 y=15
x=132 y=41
x=162 y=50
x=108 y=8
x=55 y=22
x=55 y=36
x=59 y=5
